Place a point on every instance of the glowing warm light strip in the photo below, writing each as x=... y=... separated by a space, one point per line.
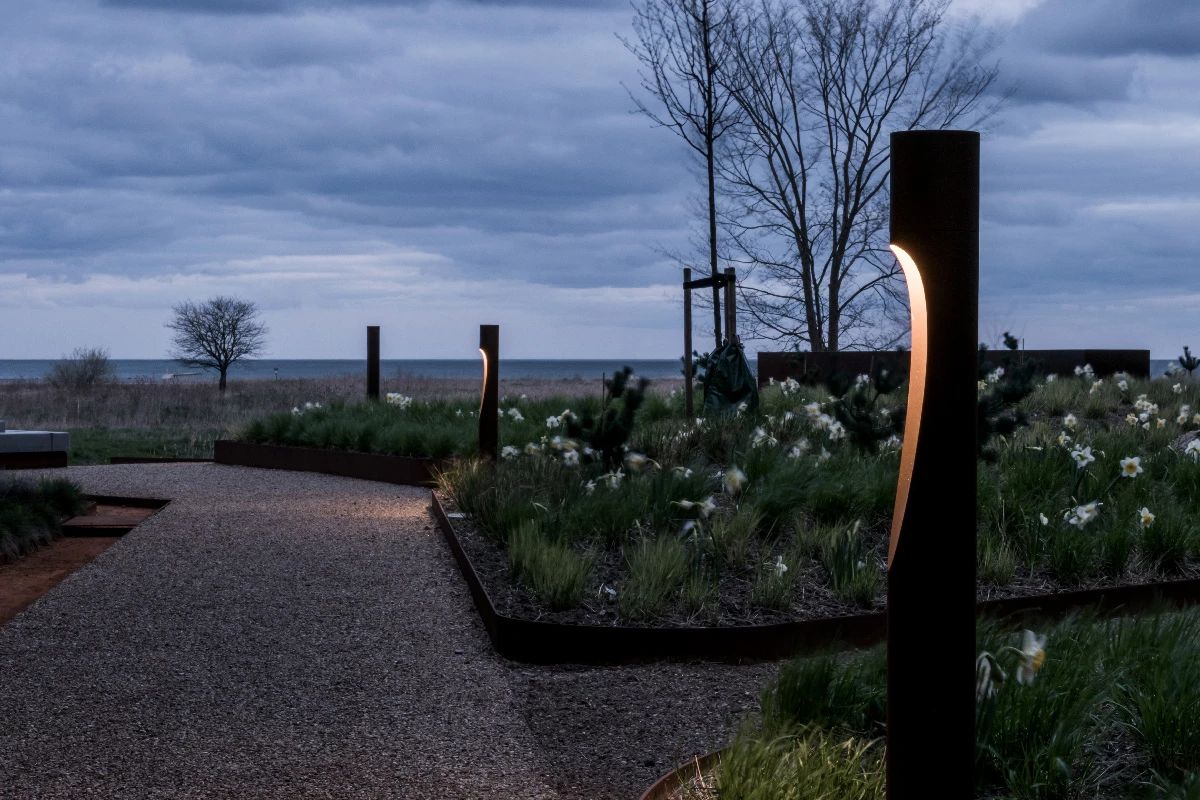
x=483 y=389
x=916 y=388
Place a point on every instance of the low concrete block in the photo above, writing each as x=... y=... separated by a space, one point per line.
x=33 y=441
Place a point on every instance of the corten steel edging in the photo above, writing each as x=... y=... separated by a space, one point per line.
x=555 y=643
x=673 y=780
x=402 y=470
x=154 y=503
x=535 y=642
x=157 y=460
x=133 y=502
x=44 y=459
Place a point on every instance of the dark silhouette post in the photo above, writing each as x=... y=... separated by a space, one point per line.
x=373 y=362
x=489 y=402
x=687 y=343
x=931 y=557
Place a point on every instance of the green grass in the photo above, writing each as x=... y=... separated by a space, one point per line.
x=98 y=445
x=554 y=571
x=1103 y=687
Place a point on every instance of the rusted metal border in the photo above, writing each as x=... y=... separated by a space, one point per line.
x=156 y=504
x=662 y=788
x=403 y=470
x=157 y=460
x=537 y=642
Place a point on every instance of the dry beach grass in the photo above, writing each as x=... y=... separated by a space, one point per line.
x=182 y=418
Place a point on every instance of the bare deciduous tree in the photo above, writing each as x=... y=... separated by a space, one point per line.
x=216 y=333
x=682 y=46
x=820 y=85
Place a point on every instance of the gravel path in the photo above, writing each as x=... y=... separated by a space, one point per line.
x=292 y=635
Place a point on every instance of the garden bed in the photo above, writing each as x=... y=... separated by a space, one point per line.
x=404 y=470
x=61 y=546
x=522 y=631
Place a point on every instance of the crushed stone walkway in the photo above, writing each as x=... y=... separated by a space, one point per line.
x=267 y=635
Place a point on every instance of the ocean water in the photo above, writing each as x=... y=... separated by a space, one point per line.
x=155 y=370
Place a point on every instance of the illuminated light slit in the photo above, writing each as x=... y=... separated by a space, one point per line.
x=483 y=388
x=916 y=389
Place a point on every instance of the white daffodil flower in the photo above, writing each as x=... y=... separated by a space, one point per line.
x=553 y=422
x=1064 y=439
x=570 y=458
x=589 y=487
x=613 y=479
x=1196 y=419
x=1070 y=422
x=296 y=411
x=682 y=472
x=1145 y=517
x=1033 y=656
x=1082 y=456
x=779 y=567
x=508 y=452
x=1177 y=388
x=837 y=431
x=1131 y=467
x=1043 y=519
x=734 y=481
x=1082 y=515
x=1085 y=371
x=1051 y=378
x=515 y=415
x=995 y=375
x=1131 y=419
x=707 y=507
x=1193 y=449
x=1095 y=386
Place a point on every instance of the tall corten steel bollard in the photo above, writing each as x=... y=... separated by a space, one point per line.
x=931 y=557
x=373 y=362
x=489 y=401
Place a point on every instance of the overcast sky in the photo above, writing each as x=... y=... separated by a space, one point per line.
x=427 y=166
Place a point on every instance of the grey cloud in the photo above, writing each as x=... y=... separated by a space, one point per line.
x=1115 y=27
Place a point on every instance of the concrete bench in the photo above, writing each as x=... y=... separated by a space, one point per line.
x=33 y=449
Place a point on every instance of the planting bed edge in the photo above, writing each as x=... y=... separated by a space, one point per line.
x=537 y=642
x=403 y=470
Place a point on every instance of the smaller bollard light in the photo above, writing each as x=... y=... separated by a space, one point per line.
x=372 y=362
x=489 y=401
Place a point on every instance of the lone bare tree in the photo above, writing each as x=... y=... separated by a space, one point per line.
x=820 y=84
x=681 y=45
x=216 y=333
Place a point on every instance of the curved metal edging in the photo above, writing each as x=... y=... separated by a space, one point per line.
x=537 y=642
x=401 y=470
x=662 y=788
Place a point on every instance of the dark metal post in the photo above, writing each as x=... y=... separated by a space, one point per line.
x=489 y=401
x=931 y=558
x=373 y=362
x=687 y=343
x=730 y=304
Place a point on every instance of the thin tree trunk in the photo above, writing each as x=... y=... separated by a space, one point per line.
x=221 y=382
